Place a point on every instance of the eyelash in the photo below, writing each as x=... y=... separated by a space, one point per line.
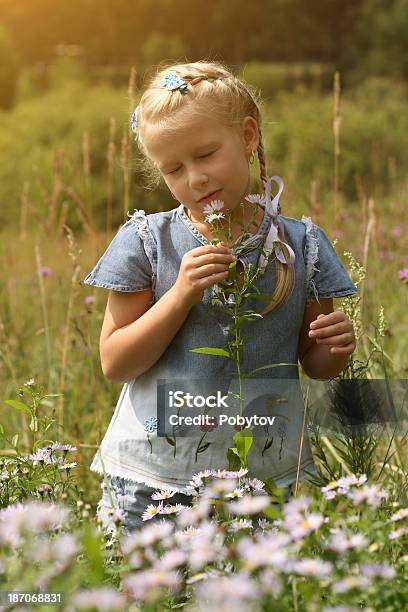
x=200 y=157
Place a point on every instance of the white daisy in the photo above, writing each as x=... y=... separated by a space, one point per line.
x=151 y=511
x=213 y=206
x=164 y=494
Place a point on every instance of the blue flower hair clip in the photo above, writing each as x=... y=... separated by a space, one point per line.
x=134 y=120
x=172 y=81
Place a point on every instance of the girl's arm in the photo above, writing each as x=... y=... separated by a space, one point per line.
x=134 y=334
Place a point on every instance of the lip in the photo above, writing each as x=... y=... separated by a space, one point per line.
x=211 y=196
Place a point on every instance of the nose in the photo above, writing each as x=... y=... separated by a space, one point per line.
x=197 y=179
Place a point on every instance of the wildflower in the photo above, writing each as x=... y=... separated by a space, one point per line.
x=398 y=533
x=36 y=517
x=172 y=509
x=269 y=551
x=68 y=465
x=378 y=570
x=214 y=217
x=164 y=494
x=150 y=534
x=254 y=484
x=30 y=383
x=206 y=546
x=349 y=583
x=41 y=455
x=347 y=481
x=151 y=511
x=171 y=559
x=101 y=598
x=63 y=447
x=89 y=300
x=369 y=493
x=299 y=526
x=194 y=514
x=403 y=274
x=312 y=567
x=44 y=271
x=249 y=505
x=221 y=487
x=228 y=592
x=299 y=504
x=240 y=524
x=147 y=585
x=399 y=515
x=237 y=492
x=213 y=206
x=397 y=231
x=339 y=541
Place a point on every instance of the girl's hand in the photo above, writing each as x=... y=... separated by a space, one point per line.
x=335 y=330
x=201 y=268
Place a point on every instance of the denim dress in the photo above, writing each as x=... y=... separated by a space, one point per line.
x=146 y=253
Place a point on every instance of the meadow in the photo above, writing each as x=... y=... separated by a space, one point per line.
x=69 y=174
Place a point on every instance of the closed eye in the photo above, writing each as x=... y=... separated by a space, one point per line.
x=206 y=154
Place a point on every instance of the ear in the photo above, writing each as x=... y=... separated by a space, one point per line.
x=250 y=134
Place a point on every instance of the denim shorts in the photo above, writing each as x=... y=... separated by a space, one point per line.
x=134 y=497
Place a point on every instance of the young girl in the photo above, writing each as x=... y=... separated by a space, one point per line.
x=199 y=127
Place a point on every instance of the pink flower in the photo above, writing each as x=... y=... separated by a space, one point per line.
x=403 y=274
x=397 y=231
x=44 y=271
x=89 y=300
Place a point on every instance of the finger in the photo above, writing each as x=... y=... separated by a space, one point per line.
x=214 y=258
x=339 y=340
x=331 y=330
x=208 y=270
x=208 y=281
x=210 y=248
x=343 y=350
x=323 y=320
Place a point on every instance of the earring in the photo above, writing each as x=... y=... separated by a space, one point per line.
x=252 y=158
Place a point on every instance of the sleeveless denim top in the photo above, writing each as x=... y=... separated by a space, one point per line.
x=146 y=253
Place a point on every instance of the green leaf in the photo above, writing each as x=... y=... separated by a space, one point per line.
x=18 y=406
x=211 y=351
x=93 y=547
x=257 y=296
x=234 y=462
x=14 y=441
x=244 y=440
x=266 y=367
x=272 y=512
x=1 y=429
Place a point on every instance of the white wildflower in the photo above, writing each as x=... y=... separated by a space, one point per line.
x=399 y=515
x=312 y=567
x=213 y=206
x=249 y=505
x=152 y=511
x=164 y=494
x=240 y=524
x=103 y=599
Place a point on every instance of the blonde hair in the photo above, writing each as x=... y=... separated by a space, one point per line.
x=212 y=90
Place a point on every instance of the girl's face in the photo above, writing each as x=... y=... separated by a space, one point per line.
x=204 y=157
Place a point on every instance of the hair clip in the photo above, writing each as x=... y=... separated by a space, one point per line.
x=172 y=81
x=134 y=120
